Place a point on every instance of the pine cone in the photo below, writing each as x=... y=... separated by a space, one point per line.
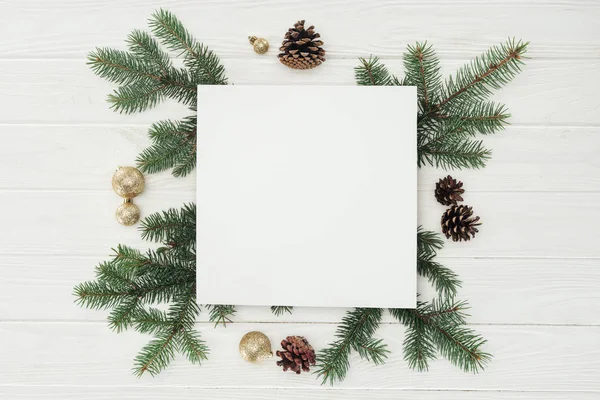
x=297 y=355
x=301 y=48
x=448 y=191
x=458 y=222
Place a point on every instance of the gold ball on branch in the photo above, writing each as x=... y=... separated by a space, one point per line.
x=128 y=182
x=260 y=45
x=127 y=213
x=255 y=346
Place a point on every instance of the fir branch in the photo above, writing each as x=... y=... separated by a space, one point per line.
x=203 y=63
x=192 y=346
x=482 y=118
x=121 y=67
x=172 y=33
x=147 y=76
x=419 y=348
x=129 y=256
x=441 y=324
x=146 y=48
x=156 y=355
x=220 y=314
x=450 y=114
x=454 y=154
x=428 y=242
x=187 y=162
x=373 y=350
x=443 y=279
x=461 y=345
x=170 y=224
x=423 y=71
x=151 y=321
x=174 y=147
x=117 y=276
x=98 y=295
x=372 y=72
x=136 y=97
x=475 y=81
x=123 y=315
x=354 y=333
x=159 y=353
x=280 y=310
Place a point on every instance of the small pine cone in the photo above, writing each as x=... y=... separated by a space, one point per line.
x=458 y=222
x=297 y=355
x=448 y=191
x=301 y=48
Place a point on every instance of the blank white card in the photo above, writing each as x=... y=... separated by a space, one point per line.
x=307 y=196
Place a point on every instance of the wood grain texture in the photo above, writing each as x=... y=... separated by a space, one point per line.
x=192 y=393
x=505 y=291
x=68 y=92
x=88 y=155
x=349 y=28
x=537 y=358
x=531 y=276
x=520 y=224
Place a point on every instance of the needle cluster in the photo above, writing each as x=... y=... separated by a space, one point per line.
x=454 y=111
x=146 y=75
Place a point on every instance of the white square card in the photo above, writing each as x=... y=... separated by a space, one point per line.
x=307 y=196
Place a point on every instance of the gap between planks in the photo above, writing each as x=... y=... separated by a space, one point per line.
x=205 y=322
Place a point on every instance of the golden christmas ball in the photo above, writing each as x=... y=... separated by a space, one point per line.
x=127 y=213
x=260 y=45
x=255 y=347
x=128 y=182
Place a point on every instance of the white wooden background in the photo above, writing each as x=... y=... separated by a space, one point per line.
x=532 y=275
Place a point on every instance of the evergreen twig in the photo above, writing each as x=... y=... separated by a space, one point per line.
x=220 y=314
x=441 y=325
x=450 y=115
x=452 y=112
x=434 y=327
x=131 y=282
x=280 y=310
x=146 y=76
x=354 y=333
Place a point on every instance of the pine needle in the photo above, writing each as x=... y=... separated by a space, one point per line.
x=451 y=113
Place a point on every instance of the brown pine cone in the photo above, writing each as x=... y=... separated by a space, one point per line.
x=458 y=222
x=297 y=355
x=448 y=191
x=301 y=48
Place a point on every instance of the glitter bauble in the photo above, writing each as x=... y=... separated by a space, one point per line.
x=128 y=182
x=260 y=45
x=128 y=213
x=255 y=347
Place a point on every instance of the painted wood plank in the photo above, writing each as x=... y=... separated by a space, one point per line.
x=526 y=358
x=156 y=393
x=506 y=291
x=539 y=225
x=67 y=92
x=36 y=28
x=84 y=157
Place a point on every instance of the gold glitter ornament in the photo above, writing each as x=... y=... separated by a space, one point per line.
x=260 y=45
x=127 y=213
x=128 y=182
x=255 y=347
